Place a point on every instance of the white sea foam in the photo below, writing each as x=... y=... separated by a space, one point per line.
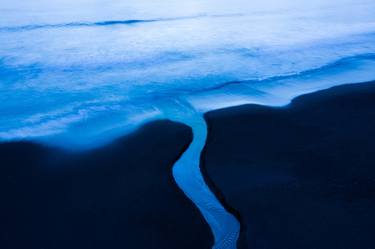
x=56 y=59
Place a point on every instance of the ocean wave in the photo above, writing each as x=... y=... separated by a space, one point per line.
x=109 y=22
x=280 y=90
x=338 y=64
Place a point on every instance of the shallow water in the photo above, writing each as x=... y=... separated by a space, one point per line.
x=78 y=74
x=187 y=174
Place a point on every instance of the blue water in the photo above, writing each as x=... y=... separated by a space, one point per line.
x=78 y=74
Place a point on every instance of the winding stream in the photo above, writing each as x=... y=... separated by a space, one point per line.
x=187 y=174
x=186 y=170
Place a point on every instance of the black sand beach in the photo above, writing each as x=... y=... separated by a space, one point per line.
x=301 y=176
x=120 y=196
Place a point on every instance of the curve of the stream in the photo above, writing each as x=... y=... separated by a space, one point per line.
x=188 y=177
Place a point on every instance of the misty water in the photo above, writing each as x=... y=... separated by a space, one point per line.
x=78 y=74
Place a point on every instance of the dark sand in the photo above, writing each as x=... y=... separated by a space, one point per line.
x=302 y=176
x=120 y=196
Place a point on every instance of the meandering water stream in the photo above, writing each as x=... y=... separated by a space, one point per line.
x=186 y=170
x=188 y=176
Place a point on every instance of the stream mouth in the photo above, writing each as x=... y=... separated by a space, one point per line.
x=187 y=172
x=188 y=176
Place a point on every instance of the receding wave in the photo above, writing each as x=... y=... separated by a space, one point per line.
x=281 y=89
x=121 y=114
x=342 y=62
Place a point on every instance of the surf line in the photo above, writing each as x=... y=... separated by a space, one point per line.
x=189 y=178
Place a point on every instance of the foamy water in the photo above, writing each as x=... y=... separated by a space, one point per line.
x=78 y=74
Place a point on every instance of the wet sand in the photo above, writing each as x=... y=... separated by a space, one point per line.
x=122 y=195
x=300 y=176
